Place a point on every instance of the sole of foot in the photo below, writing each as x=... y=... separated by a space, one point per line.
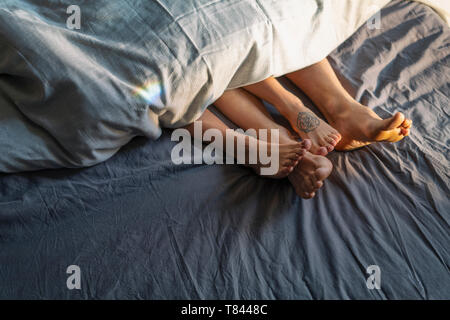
x=309 y=175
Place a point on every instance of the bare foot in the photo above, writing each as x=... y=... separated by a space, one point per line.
x=360 y=126
x=309 y=174
x=287 y=156
x=307 y=125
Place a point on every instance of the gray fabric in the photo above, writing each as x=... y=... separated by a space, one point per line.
x=140 y=227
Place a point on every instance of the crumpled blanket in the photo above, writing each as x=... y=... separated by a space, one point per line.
x=71 y=97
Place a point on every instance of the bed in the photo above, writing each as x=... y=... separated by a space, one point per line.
x=140 y=227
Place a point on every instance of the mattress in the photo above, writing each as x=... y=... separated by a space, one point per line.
x=140 y=227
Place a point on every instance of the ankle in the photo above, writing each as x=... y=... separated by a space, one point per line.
x=335 y=108
x=291 y=106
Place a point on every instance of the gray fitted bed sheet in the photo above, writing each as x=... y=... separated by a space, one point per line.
x=139 y=226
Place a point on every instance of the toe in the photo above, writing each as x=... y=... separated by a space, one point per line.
x=331 y=141
x=292 y=157
x=306 y=144
x=284 y=172
x=407 y=123
x=316 y=181
x=318 y=185
x=330 y=145
x=311 y=195
x=334 y=141
x=300 y=153
x=393 y=122
x=306 y=195
x=297 y=149
x=321 y=151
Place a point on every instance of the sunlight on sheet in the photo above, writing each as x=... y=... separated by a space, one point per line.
x=150 y=91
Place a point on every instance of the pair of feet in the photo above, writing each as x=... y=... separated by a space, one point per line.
x=354 y=126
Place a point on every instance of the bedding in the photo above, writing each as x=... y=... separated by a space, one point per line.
x=72 y=97
x=140 y=227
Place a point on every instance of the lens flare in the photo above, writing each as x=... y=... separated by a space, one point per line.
x=150 y=91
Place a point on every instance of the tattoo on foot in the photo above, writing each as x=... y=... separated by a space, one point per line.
x=307 y=121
